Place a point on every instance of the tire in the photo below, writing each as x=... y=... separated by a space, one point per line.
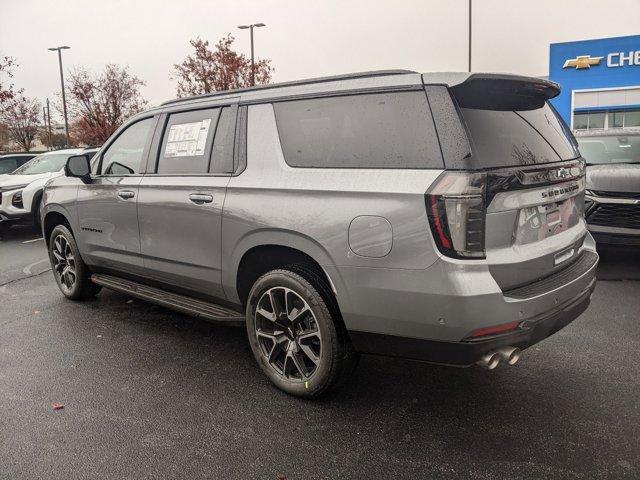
x=303 y=349
x=70 y=272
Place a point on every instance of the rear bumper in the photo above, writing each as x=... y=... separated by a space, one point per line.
x=466 y=353
x=430 y=314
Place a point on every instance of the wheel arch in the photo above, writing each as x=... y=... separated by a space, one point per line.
x=36 y=196
x=54 y=216
x=265 y=250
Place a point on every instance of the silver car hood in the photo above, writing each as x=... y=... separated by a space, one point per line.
x=622 y=177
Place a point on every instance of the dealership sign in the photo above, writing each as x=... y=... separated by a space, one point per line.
x=614 y=59
x=596 y=64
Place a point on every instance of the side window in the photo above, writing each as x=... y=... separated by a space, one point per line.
x=187 y=142
x=380 y=130
x=240 y=150
x=222 y=155
x=124 y=155
x=8 y=165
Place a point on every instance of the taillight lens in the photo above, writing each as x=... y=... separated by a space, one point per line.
x=456 y=212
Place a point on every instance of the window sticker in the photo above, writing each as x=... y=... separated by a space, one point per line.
x=187 y=139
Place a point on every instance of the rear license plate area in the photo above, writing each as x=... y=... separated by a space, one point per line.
x=543 y=221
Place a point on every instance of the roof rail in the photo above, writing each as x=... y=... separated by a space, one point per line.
x=350 y=76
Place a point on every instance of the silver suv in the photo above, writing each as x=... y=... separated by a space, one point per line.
x=613 y=184
x=436 y=217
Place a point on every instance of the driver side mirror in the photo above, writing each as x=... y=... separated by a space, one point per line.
x=78 y=166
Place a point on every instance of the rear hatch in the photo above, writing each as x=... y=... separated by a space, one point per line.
x=525 y=162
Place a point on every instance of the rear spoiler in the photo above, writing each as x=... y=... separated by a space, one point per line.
x=490 y=91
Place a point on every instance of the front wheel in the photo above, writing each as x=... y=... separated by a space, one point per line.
x=296 y=334
x=70 y=272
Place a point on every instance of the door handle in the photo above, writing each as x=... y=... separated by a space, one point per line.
x=200 y=198
x=125 y=194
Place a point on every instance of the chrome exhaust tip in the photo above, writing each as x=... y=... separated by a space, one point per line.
x=511 y=355
x=490 y=360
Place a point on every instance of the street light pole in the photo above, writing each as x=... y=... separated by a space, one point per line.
x=49 y=120
x=469 y=36
x=44 y=119
x=253 y=64
x=64 y=99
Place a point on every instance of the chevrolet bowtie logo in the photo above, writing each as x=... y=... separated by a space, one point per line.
x=582 y=61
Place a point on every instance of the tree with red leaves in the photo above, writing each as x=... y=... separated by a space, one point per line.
x=101 y=103
x=21 y=115
x=6 y=89
x=219 y=69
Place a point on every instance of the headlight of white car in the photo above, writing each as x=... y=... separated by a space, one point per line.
x=16 y=201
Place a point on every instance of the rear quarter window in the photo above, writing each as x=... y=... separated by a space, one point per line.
x=381 y=130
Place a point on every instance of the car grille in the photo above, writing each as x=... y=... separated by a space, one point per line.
x=614 y=215
x=601 y=193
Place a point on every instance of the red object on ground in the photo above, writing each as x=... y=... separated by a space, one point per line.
x=57 y=406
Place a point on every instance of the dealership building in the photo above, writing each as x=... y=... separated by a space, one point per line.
x=600 y=82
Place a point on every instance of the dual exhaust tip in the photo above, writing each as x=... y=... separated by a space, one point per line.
x=491 y=360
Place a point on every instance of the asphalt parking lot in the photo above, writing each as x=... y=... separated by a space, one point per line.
x=149 y=393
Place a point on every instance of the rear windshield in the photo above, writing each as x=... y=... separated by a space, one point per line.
x=610 y=149
x=527 y=137
x=380 y=130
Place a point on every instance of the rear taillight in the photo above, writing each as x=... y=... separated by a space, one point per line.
x=456 y=212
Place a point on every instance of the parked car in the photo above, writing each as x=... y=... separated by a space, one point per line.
x=613 y=184
x=436 y=217
x=21 y=190
x=11 y=161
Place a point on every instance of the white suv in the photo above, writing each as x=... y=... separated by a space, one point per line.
x=21 y=190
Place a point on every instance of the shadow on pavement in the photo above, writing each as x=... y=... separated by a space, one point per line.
x=19 y=232
x=618 y=263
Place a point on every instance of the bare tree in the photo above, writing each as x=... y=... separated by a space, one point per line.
x=57 y=140
x=219 y=69
x=4 y=136
x=101 y=103
x=21 y=116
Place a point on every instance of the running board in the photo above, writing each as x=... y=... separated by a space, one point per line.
x=174 y=301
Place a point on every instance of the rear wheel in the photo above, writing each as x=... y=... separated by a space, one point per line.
x=70 y=272
x=296 y=334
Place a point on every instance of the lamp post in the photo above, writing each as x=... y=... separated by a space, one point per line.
x=49 y=121
x=253 y=65
x=64 y=99
x=469 y=36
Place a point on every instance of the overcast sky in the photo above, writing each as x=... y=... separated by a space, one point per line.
x=302 y=38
